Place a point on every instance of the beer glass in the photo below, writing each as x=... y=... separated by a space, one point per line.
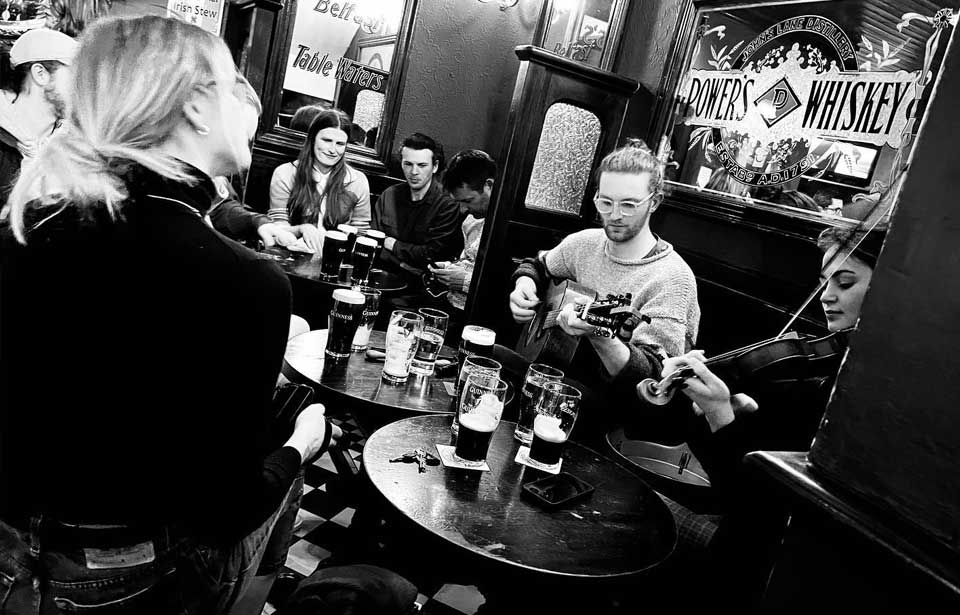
x=371 y=309
x=537 y=376
x=481 y=406
x=351 y=233
x=431 y=340
x=334 y=248
x=474 y=364
x=402 y=334
x=556 y=413
x=363 y=253
x=379 y=237
x=342 y=322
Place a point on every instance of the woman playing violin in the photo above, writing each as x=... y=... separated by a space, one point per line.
x=723 y=428
x=841 y=299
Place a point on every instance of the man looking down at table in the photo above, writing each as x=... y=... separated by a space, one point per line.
x=420 y=220
x=469 y=182
x=625 y=256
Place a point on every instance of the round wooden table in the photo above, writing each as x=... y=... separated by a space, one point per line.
x=357 y=385
x=357 y=382
x=622 y=529
x=312 y=294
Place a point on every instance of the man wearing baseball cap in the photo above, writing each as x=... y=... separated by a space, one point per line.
x=33 y=99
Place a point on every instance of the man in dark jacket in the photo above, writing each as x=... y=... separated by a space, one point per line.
x=32 y=102
x=421 y=221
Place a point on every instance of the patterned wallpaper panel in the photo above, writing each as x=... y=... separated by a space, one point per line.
x=564 y=159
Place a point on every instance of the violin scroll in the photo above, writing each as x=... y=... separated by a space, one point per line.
x=660 y=393
x=649 y=390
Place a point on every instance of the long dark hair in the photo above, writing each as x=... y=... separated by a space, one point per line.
x=304 y=199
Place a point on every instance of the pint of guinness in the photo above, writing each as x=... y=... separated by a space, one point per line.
x=364 y=251
x=379 y=237
x=556 y=409
x=334 y=249
x=476 y=341
x=346 y=313
x=481 y=406
x=548 y=440
x=474 y=437
x=351 y=233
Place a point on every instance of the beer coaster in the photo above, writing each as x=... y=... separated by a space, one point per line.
x=451 y=388
x=523 y=457
x=448 y=460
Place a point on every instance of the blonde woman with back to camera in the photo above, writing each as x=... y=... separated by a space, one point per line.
x=140 y=347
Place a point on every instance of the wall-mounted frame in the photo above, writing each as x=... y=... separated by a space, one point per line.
x=586 y=31
x=371 y=153
x=798 y=112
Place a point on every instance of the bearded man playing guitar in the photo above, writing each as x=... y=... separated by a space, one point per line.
x=622 y=257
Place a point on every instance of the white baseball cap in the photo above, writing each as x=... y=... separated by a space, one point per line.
x=43 y=45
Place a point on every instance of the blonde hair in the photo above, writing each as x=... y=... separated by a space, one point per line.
x=132 y=77
x=636 y=158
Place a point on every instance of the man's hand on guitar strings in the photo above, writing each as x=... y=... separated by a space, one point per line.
x=571 y=323
x=524 y=299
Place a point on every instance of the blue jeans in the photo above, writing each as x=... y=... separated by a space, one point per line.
x=44 y=577
x=275 y=551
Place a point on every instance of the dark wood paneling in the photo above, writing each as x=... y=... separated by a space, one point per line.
x=846 y=552
x=891 y=431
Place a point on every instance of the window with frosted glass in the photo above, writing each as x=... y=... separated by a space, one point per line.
x=561 y=170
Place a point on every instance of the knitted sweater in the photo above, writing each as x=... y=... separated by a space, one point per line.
x=662 y=285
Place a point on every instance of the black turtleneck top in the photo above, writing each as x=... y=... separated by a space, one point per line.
x=138 y=357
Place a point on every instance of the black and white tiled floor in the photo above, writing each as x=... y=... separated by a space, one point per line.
x=324 y=538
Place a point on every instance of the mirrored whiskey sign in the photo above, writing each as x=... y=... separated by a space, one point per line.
x=808 y=111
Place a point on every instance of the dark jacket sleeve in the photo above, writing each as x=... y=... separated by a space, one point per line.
x=236 y=220
x=787 y=420
x=10 y=159
x=534 y=268
x=442 y=242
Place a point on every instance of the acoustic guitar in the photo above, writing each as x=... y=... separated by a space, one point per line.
x=542 y=339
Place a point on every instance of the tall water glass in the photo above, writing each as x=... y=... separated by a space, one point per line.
x=538 y=375
x=401 y=344
x=371 y=310
x=471 y=365
x=431 y=340
x=556 y=408
x=481 y=406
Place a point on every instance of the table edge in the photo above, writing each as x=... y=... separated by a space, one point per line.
x=488 y=556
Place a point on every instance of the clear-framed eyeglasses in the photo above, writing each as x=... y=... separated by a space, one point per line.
x=628 y=207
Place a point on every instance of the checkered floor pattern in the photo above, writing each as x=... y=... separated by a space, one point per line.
x=324 y=539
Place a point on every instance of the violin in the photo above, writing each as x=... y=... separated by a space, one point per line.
x=789 y=356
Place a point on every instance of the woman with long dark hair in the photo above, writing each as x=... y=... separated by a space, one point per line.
x=320 y=190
